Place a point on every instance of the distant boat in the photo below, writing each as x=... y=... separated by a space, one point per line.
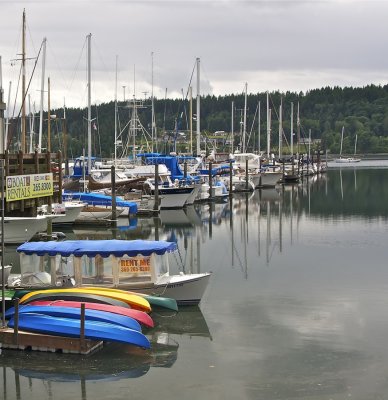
x=347 y=159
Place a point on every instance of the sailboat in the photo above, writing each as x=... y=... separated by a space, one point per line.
x=347 y=159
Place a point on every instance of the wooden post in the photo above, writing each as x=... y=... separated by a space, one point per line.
x=113 y=180
x=246 y=175
x=156 y=191
x=60 y=183
x=230 y=178
x=20 y=169
x=49 y=199
x=16 y=321
x=36 y=170
x=185 y=170
x=210 y=181
x=82 y=327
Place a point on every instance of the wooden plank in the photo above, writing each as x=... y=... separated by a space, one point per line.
x=39 y=342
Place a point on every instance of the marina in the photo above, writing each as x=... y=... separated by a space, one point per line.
x=294 y=307
x=234 y=248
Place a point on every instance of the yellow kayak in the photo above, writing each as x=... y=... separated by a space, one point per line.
x=133 y=300
x=155 y=301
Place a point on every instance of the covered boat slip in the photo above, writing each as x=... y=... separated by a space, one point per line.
x=110 y=263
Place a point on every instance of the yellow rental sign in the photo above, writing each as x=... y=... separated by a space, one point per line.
x=21 y=187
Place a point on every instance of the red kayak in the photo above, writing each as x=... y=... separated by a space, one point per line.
x=139 y=316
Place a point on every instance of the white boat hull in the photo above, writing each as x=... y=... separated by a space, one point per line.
x=269 y=178
x=186 y=289
x=174 y=197
x=22 y=229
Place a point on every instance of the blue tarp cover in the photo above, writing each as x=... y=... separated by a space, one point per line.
x=98 y=199
x=91 y=248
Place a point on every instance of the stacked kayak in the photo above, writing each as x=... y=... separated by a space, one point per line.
x=108 y=316
x=70 y=327
x=134 y=301
x=140 y=316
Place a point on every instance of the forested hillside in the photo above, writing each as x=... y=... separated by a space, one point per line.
x=362 y=112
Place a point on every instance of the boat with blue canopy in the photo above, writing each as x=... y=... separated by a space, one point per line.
x=139 y=266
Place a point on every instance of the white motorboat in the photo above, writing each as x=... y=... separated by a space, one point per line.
x=21 y=229
x=64 y=213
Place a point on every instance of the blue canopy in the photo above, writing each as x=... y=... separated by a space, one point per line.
x=99 y=199
x=91 y=248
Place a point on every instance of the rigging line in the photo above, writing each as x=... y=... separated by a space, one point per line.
x=207 y=80
x=16 y=93
x=77 y=66
x=55 y=58
x=29 y=31
x=191 y=78
x=253 y=123
x=29 y=82
x=185 y=111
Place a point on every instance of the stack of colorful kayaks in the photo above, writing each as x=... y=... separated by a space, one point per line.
x=110 y=314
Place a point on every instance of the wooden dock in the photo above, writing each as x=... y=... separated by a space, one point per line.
x=20 y=340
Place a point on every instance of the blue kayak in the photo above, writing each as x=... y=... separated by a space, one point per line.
x=75 y=313
x=68 y=327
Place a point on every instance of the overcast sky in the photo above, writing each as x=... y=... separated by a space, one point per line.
x=271 y=45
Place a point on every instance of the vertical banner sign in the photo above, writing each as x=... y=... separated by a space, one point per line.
x=22 y=187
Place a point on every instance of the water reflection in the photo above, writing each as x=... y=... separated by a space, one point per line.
x=114 y=362
x=295 y=307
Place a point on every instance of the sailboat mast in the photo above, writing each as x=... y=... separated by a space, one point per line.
x=298 y=131
x=2 y=108
x=292 y=130
x=259 y=130
x=49 y=117
x=245 y=116
x=134 y=115
x=232 y=127
x=198 y=109
x=42 y=93
x=89 y=37
x=355 y=146
x=7 y=119
x=268 y=128
x=23 y=141
x=115 y=153
x=342 y=139
x=64 y=131
x=191 y=119
x=153 y=138
x=280 y=129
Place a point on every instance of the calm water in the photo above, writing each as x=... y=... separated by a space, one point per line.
x=297 y=307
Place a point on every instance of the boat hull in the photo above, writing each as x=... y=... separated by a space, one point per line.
x=83 y=297
x=134 y=301
x=67 y=327
x=75 y=313
x=139 y=316
x=22 y=229
x=185 y=289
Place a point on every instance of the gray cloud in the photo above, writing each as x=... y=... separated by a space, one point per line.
x=286 y=45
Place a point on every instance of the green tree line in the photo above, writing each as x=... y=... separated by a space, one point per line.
x=363 y=112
